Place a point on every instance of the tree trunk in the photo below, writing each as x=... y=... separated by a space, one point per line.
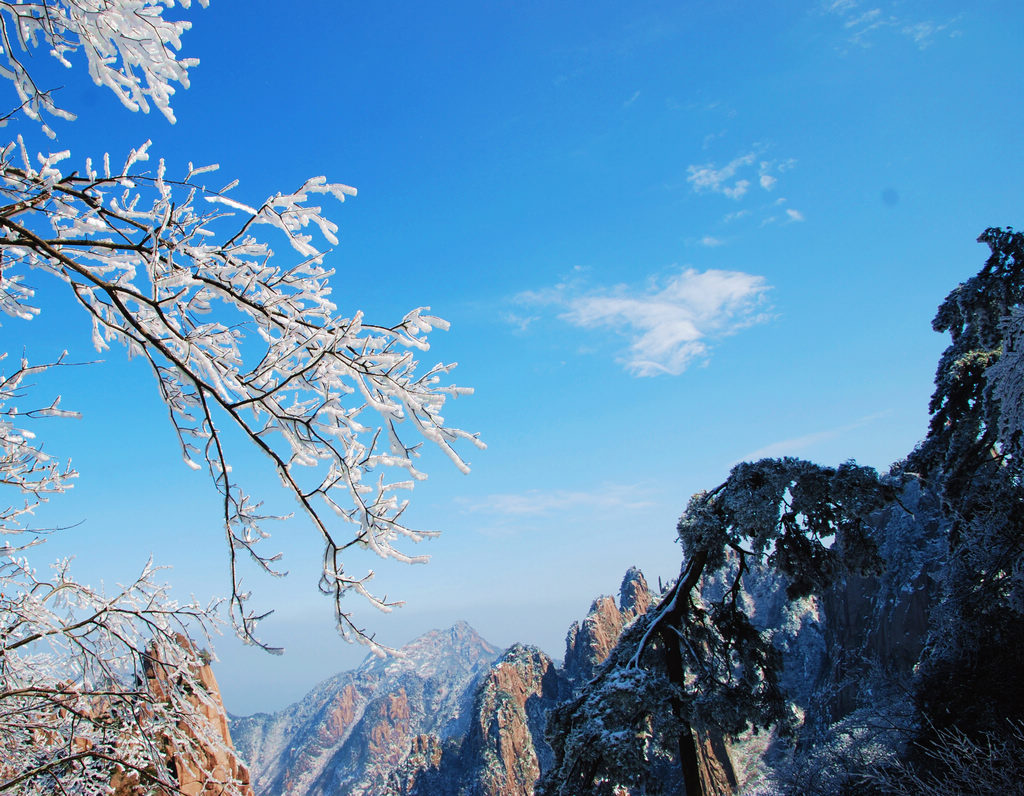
x=689 y=760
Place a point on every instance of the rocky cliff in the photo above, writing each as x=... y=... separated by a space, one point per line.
x=447 y=718
x=350 y=732
x=215 y=760
x=505 y=750
x=589 y=642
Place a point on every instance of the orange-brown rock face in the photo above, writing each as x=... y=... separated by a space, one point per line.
x=339 y=716
x=513 y=701
x=505 y=751
x=351 y=733
x=389 y=729
x=441 y=721
x=589 y=643
x=218 y=761
x=221 y=760
x=506 y=739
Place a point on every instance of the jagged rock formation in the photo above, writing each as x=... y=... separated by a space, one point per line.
x=450 y=720
x=446 y=719
x=589 y=643
x=349 y=733
x=222 y=760
x=505 y=750
x=432 y=767
x=220 y=763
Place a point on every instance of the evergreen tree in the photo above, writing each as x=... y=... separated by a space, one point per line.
x=972 y=457
x=699 y=667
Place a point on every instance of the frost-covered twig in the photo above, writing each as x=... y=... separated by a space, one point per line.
x=321 y=395
x=92 y=684
x=129 y=45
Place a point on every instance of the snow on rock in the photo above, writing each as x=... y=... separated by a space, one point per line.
x=351 y=731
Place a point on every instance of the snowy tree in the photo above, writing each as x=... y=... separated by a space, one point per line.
x=182 y=276
x=101 y=690
x=96 y=690
x=972 y=457
x=697 y=668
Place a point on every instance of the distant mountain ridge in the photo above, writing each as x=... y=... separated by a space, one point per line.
x=506 y=749
x=348 y=733
x=451 y=716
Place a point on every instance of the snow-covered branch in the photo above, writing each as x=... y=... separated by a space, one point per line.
x=168 y=269
x=23 y=463
x=129 y=45
x=97 y=689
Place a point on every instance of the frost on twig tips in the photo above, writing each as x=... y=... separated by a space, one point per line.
x=311 y=390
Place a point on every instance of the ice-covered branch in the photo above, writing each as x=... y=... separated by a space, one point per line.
x=129 y=46
x=168 y=269
x=95 y=687
x=23 y=463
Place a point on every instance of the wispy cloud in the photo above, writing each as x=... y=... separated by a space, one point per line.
x=797 y=446
x=735 y=178
x=710 y=138
x=861 y=22
x=631 y=100
x=923 y=33
x=707 y=177
x=551 y=502
x=668 y=324
x=519 y=322
x=711 y=241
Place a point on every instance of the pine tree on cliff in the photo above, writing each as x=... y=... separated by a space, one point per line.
x=973 y=455
x=696 y=668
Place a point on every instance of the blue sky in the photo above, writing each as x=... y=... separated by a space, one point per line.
x=668 y=237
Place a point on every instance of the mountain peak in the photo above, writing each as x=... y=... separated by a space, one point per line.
x=458 y=648
x=634 y=594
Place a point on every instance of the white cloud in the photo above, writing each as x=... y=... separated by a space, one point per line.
x=669 y=325
x=710 y=241
x=549 y=502
x=862 y=21
x=736 y=215
x=866 y=21
x=520 y=322
x=922 y=33
x=799 y=446
x=794 y=215
x=737 y=190
x=631 y=100
x=708 y=178
x=735 y=178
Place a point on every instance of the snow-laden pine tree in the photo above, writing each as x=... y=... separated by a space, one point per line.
x=708 y=664
x=182 y=273
x=700 y=667
x=973 y=457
